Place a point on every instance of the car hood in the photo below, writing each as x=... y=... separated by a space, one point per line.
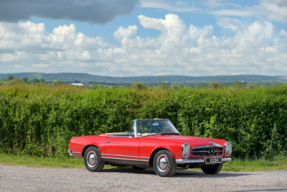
x=192 y=141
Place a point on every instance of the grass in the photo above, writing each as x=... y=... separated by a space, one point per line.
x=41 y=162
x=237 y=165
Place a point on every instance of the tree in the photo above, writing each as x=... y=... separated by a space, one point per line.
x=95 y=86
x=58 y=82
x=25 y=80
x=138 y=85
x=87 y=86
x=252 y=85
x=2 y=81
x=214 y=85
x=161 y=86
x=35 y=80
x=77 y=81
x=237 y=84
x=176 y=86
x=10 y=77
x=15 y=80
x=42 y=80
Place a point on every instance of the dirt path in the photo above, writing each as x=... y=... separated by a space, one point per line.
x=20 y=178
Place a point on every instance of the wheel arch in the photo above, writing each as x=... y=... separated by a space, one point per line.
x=155 y=151
x=87 y=146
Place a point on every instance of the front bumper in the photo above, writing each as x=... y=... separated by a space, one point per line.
x=195 y=161
x=70 y=152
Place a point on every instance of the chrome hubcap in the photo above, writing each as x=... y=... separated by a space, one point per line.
x=91 y=159
x=162 y=163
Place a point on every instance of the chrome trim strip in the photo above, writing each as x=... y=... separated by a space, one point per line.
x=180 y=161
x=71 y=153
x=205 y=151
x=135 y=128
x=124 y=159
x=125 y=156
x=220 y=146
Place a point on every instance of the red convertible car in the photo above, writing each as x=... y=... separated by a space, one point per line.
x=153 y=143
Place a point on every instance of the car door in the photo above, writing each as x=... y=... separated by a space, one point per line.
x=124 y=148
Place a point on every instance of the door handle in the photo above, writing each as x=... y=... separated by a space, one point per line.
x=108 y=141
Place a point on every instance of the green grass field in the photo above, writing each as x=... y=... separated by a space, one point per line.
x=278 y=163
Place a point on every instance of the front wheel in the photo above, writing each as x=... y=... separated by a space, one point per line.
x=212 y=169
x=93 y=160
x=164 y=164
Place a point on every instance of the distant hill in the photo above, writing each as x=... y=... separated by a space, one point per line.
x=86 y=78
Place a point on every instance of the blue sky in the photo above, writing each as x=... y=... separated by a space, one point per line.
x=144 y=37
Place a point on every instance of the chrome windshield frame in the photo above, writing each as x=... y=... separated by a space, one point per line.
x=135 y=125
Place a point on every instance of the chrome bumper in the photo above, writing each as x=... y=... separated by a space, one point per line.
x=70 y=152
x=182 y=161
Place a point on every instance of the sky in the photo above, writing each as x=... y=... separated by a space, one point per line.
x=144 y=37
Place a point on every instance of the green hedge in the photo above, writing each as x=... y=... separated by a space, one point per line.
x=41 y=120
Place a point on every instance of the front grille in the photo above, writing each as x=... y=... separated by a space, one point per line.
x=207 y=151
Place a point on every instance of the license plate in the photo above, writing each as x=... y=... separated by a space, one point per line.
x=213 y=160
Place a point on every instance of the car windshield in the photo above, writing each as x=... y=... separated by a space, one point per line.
x=153 y=127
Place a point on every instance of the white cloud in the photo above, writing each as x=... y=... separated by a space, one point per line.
x=123 y=33
x=64 y=30
x=214 y=3
x=260 y=32
x=195 y=32
x=179 y=3
x=274 y=10
x=31 y=45
x=180 y=49
x=232 y=12
x=161 y=4
x=174 y=31
x=32 y=27
x=278 y=2
x=283 y=33
x=227 y=23
x=233 y=5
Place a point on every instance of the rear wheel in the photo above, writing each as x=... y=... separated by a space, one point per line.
x=93 y=160
x=212 y=169
x=139 y=168
x=164 y=164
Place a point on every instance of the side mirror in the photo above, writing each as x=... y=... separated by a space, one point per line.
x=130 y=134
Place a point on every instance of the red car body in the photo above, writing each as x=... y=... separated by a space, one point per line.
x=139 y=151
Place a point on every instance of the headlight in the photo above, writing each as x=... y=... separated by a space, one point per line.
x=228 y=149
x=185 y=150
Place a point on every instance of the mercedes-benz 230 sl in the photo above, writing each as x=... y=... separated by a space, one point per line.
x=152 y=143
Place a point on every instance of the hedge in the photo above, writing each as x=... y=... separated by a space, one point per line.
x=40 y=120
